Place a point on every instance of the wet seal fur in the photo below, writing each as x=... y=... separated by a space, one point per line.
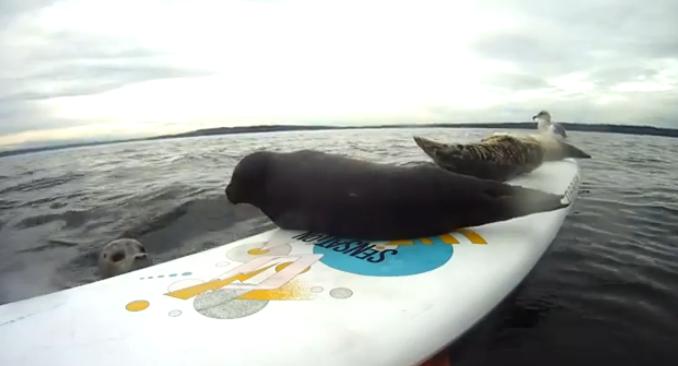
x=122 y=255
x=500 y=156
x=340 y=196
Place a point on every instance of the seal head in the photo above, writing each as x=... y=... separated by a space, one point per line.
x=252 y=172
x=121 y=256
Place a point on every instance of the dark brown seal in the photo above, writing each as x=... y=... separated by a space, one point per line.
x=498 y=157
x=336 y=195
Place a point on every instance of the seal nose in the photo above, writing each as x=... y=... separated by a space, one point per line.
x=231 y=194
x=141 y=256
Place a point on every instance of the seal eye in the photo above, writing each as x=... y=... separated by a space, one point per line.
x=118 y=256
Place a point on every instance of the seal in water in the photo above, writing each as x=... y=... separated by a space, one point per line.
x=545 y=126
x=336 y=195
x=500 y=156
x=122 y=255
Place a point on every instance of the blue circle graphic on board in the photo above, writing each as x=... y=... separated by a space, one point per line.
x=400 y=258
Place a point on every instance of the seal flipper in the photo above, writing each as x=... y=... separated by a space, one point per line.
x=506 y=202
x=484 y=169
x=571 y=151
x=555 y=149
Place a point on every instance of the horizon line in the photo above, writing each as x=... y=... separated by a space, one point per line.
x=262 y=128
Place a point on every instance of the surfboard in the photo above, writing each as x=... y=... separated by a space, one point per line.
x=292 y=298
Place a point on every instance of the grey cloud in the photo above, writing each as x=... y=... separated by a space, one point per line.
x=18 y=116
x=516 y=81
x=561 y=37
x=633 y=25
x=654 y=108
x=57 y=50
x=68 y=45
x=505 y=113
x=607 y=41
x=615 y=19
x=614 y=75
x=75 y=80
x=537 y=53
x=19 y=112
x=525 y=47
x=13 y=9
x=610 y=41
x=68 y=64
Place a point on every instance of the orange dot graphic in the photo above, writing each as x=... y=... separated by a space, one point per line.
x=257 y=251
x=137 y=305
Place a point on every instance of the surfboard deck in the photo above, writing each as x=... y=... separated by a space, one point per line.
x=292 y=298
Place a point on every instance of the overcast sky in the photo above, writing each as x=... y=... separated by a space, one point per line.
x=101 y=69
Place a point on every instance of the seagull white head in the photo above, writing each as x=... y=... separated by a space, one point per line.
x=544 y=124
x=542 y=115
x=543 y=119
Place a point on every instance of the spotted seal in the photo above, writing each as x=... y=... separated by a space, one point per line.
x=341 y=196
x=122 y=255
x=499 y=156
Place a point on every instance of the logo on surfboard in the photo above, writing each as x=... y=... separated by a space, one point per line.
x=392 y=258
x=263 y=272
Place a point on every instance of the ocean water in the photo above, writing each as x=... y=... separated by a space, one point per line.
x=606 y=292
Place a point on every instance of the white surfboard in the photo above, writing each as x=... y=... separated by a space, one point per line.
x=291 y=298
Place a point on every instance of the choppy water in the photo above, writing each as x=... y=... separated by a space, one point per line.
x=607 y=292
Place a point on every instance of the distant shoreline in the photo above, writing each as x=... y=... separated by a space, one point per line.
x=623 y=129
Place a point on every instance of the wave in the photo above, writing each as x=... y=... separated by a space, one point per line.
x=71 y=219
x=42 y=183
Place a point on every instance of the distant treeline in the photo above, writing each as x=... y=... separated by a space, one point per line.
x=634 y=130
x=59 y=147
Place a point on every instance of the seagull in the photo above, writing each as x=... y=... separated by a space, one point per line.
x=544 y=124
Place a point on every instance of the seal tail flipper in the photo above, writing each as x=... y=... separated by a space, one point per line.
x=570 y=151
x=508 y=202
x=430 y=147
x=557 y=129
